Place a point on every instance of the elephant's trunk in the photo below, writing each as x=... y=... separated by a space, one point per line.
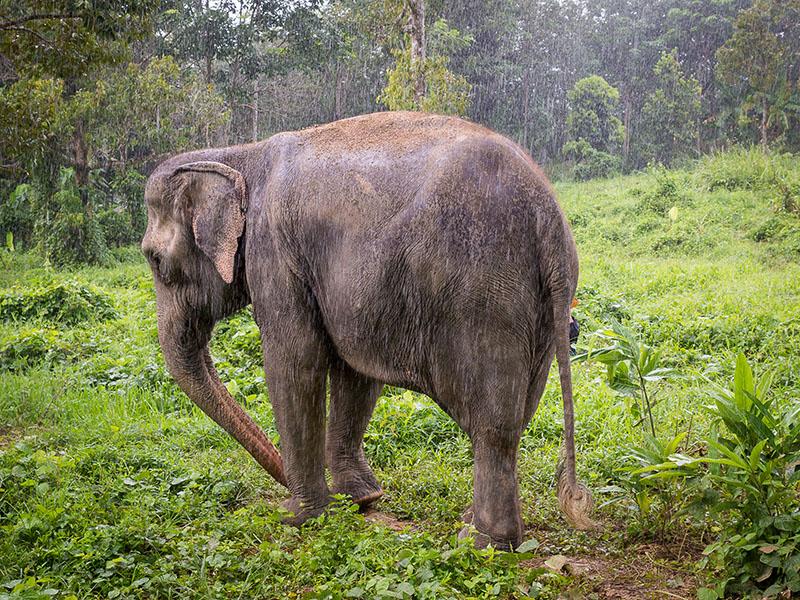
x=187 y=358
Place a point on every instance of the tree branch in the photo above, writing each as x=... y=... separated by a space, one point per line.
x=36 y=17
x=32 y=32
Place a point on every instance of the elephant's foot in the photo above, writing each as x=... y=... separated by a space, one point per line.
x=299 y=511
x=361 y=486
x=482 y=539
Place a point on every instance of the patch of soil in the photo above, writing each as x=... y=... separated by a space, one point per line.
x=647 y=571
x=388 y=520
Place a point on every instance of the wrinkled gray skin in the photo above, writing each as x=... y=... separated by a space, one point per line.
x=408 y=249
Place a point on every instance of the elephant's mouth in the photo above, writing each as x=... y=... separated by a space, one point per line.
x=164 y=270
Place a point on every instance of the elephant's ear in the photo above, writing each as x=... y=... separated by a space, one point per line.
x=217 y=197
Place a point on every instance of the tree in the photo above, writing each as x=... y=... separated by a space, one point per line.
x=595 y=132
x=593 y=104
x=697 y=29
x=57 y=44
x=670 y=113
x=760 y=63
x=443 y=91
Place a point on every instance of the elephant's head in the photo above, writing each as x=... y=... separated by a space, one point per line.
x=194 y=244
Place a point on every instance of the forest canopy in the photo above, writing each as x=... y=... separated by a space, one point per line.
x=93 y=94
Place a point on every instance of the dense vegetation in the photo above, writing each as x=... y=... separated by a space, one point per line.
x=93 y=94
x=112 y=484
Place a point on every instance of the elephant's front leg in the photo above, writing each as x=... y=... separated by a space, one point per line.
x=295 y=365
x=353 y=398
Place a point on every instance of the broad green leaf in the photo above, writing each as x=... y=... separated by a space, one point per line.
x=743 y=382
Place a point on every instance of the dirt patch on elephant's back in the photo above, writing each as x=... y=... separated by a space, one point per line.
x=398 y=131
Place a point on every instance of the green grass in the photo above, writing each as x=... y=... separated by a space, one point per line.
x=112 y=484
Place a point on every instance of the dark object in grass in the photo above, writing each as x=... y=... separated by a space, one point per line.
x=574 y=332
x=407 y=249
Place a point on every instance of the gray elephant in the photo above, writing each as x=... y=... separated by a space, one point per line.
x=409 y=249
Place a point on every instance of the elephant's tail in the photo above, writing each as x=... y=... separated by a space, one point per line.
x=574 y=498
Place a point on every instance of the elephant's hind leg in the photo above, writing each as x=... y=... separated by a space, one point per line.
x=353 y=398
x=496 y=398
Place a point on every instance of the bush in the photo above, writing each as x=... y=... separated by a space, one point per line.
x=750 y=485
x=755 y=478
x=68 y=303
x=128 y=192
x=590 y=162
x=664 y=195
x=72 y=234
x=30 y=346
x=17 y=214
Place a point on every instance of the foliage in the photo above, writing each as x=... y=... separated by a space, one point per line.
x=32 y=117
x=68 y=228
x=152 y=109
x=445 y=92
x=671 y=113
x=594 y=130
x=774 y=175
x=630 y=367
x=590 y=163
x=18 y=214
x=117 y=227
x=654 y=482
x=753 y=470
x=757 y=61
x=29 y=347
x=67 y=303
x=592 y=107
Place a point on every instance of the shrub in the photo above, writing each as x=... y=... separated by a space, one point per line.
x=73 y=233
x=664 y=195
x=68 y=303
x=751 y=486
x=128 y=192
x=754 y=457
x=30 y=346
x=17 y=214
x=590 y=162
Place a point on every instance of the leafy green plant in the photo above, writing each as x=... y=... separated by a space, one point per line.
x=753 y=461
x=67 y=302
x=630 y=367
x=590 y=163
x=655 y=483
x=30 y=346
x=18 y=213
x=72 y=233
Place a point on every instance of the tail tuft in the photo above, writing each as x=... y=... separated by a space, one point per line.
x=575 y=500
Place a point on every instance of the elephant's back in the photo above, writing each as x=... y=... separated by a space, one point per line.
x=395 y=132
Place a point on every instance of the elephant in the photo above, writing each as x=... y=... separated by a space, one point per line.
x=396 y=248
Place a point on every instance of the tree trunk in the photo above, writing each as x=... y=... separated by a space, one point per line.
x=337 y=97
x=626 y=135
x=80 y=155
x=764 y=111
x=255 y=110
x=416 y=23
